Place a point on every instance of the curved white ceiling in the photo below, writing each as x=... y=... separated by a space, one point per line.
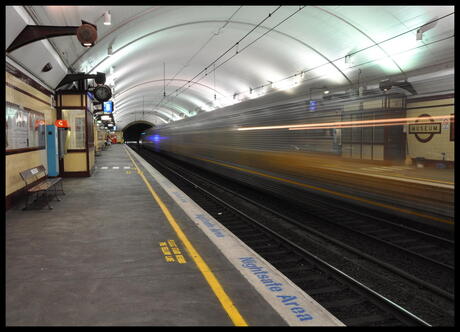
x=166 y=49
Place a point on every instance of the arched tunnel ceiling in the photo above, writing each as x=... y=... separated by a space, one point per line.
x=159 y=50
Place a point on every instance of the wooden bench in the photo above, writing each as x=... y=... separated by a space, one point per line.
x=44 y=185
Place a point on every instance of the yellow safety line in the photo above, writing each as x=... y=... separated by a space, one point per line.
x=217 y=288
x=331 y=192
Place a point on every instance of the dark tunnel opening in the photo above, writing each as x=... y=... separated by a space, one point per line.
x=134 y=131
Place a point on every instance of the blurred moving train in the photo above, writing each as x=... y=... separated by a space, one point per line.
x=275 y=143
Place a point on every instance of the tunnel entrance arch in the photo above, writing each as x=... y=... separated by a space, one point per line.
x=133 y=130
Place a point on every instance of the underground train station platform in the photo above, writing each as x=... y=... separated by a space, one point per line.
x=119 y=250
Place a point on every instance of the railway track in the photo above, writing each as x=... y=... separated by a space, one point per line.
x=348 y=299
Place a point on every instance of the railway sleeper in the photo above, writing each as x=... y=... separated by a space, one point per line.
x=393 y=237
x=344 y=219
x=381 y=232
x=300 y=268
x=237 y=227
x=372 y=320
x=424 y=247
x=267 y=246
x=364 y=227
x=282 y=259
x=254 y=242
x=224 y=217
x=249 y=237
x=404 y=241
x=302 y=279
x=341 y=303
x=275 y=251
x=442 y=254
x=326 y=290
x=314 y=279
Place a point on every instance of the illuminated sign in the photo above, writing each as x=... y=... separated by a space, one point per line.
x=313 y=104
x=108 y=107
x=424 y=131
x=61 y=124
x=39 y=123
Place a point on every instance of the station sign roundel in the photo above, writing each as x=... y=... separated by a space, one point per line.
x=424 y=128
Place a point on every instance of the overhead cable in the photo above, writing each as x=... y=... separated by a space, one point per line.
x=228 y=50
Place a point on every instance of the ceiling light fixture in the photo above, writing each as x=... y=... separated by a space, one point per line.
x=423 y=28
x=47 y=67
x=324 y=89
x=348 y=58
x=87 y=34
x=107 y=18
x=388 y=84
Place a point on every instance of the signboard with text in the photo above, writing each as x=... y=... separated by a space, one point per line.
x=424 y=128
x=107 y=107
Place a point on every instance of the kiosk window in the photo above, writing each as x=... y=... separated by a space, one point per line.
x=76 y=120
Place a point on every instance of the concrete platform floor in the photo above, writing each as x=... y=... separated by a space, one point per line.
x=96 y=259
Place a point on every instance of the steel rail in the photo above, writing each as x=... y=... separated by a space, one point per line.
x=350 y=280
x=381 y=263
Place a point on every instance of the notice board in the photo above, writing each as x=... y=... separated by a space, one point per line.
x=24 y=129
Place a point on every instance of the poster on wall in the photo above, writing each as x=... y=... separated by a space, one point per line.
x=24 y=128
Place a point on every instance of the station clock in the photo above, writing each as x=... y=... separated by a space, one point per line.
x=102 y=93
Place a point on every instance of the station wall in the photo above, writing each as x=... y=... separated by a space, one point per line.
x=23 y=91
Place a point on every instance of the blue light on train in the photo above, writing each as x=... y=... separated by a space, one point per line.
x=313 y=104
x=155 y=138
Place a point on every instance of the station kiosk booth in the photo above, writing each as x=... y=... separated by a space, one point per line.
x=76 y=108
